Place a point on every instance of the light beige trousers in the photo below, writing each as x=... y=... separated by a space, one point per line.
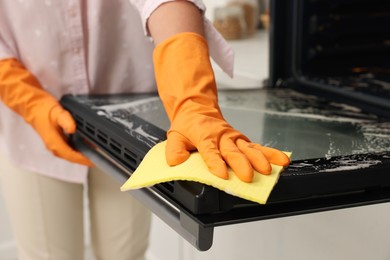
x=47 y=217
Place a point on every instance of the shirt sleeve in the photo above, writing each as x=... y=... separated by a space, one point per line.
x=5 y=53
x=220 y=51
x=146 y=8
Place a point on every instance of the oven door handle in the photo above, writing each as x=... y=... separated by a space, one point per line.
x=183 y=223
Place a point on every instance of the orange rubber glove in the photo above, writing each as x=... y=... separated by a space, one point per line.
x=187 y=88
x=21 y=92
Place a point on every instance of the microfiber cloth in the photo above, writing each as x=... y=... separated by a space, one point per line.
x=154 y=169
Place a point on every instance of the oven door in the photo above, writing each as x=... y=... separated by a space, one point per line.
x=341 y=158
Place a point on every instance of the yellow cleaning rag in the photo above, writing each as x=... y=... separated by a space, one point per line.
x=154 y=169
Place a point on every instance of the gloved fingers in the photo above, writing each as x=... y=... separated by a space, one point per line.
x=257 y=159
x=239 y=163
x=213 y=159
x=177 y=148
x=63 y=119
x=273 y=155
x=60 y=148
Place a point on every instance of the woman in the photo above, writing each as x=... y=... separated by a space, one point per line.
x=50 y=48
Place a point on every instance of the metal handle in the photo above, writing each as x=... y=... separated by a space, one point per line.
x=182 y=222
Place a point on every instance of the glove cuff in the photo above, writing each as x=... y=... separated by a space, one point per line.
x=184 y=73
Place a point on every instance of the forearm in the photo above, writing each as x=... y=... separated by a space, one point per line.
x=175 y=17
